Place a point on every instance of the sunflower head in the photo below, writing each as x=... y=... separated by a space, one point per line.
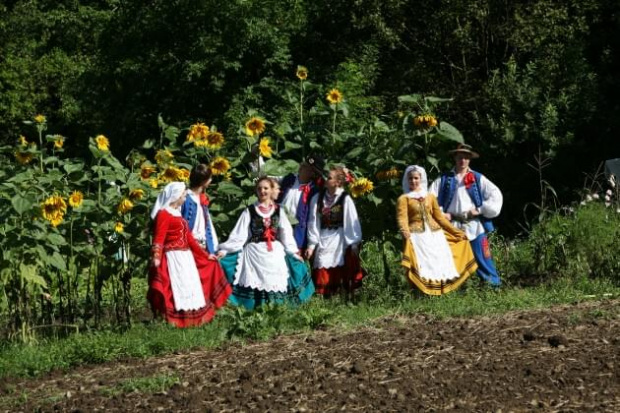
x=172 y=174
x=302 y=73
x=197 y=131
x=76 y=199
x=388 y=174
x=154 y=183
x=124 y=206
x=59 y=141
x=220 y=165
x=425 y=121
x=264 y=148
x=255 y=126
x=334 y=96
x=361 y=187
x=136 y=194
x=163 y=157
x=40 y=119
x=146 y=171
x=24 y=158
x=214 y=140
x=119 y=227
x=53 y=209
x=23 y=141
x=103 y=144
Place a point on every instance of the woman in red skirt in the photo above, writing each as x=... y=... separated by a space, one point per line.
x=334 y=236
x=186 y=285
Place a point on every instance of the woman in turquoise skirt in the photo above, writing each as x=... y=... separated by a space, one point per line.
x=261 y=259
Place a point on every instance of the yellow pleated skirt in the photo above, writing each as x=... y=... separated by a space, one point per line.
x=464 y=262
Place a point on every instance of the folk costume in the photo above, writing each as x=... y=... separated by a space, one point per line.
x=295 y=196
x=195 y=210
x=437 y=256
x=186 y=288
x=333 y=229
x=459 y=195
x=260 y=262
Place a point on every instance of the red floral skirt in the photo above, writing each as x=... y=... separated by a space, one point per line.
x=347 y=277
x=215 y=287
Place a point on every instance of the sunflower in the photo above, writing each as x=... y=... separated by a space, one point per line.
x=53 y=209
x=59 y=141
x=264 y=148
x=388 y=174
x=171 y=174
x=119 y=227
x=163 y=156
x=255 y=126
x=136 y=194
x=75 y=199
x=334 y=96
x=40 y=119
x=146 y=171
x=125 y=206
x=23 y=157
x=361 y=186
x=23 y=141
x=425 y=121
x=302 y=73
x=103 y=144
x=197 y=131
x=219 y=166
x=154 y=183
x=184 y=174
x=214 y=140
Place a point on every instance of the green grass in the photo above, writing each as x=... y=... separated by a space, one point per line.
x=231 y=324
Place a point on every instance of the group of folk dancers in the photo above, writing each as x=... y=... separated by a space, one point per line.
x=192 y=274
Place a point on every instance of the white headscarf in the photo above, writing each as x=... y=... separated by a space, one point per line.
x=169 y=194
x=422 y=190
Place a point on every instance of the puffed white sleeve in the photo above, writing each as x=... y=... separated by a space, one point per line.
x=492 y=198
x=285 y=234
x=314 y=226
x=351 y=225
x=239 y=235
x=434 y=187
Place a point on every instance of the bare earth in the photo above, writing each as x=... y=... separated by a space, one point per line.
x=563 y=359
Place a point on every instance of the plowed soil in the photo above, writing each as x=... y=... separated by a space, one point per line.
x=563 y=359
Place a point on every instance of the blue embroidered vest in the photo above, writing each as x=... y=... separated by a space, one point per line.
x=300 y=231
x=189 y=211
x=447 y=189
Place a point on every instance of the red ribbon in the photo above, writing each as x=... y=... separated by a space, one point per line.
x=305 y=191
x=468 y=180
x=270 y=235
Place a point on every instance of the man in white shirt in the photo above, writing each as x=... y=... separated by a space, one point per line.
x=470 y=200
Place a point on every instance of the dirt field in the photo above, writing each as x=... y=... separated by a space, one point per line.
x=563 y=359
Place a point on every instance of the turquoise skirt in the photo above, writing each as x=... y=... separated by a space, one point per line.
x=300 y=287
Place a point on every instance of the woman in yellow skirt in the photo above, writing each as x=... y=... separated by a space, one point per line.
x=437 y=256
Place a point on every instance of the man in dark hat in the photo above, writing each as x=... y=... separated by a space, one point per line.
x=470 y=200
x=296 y=192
